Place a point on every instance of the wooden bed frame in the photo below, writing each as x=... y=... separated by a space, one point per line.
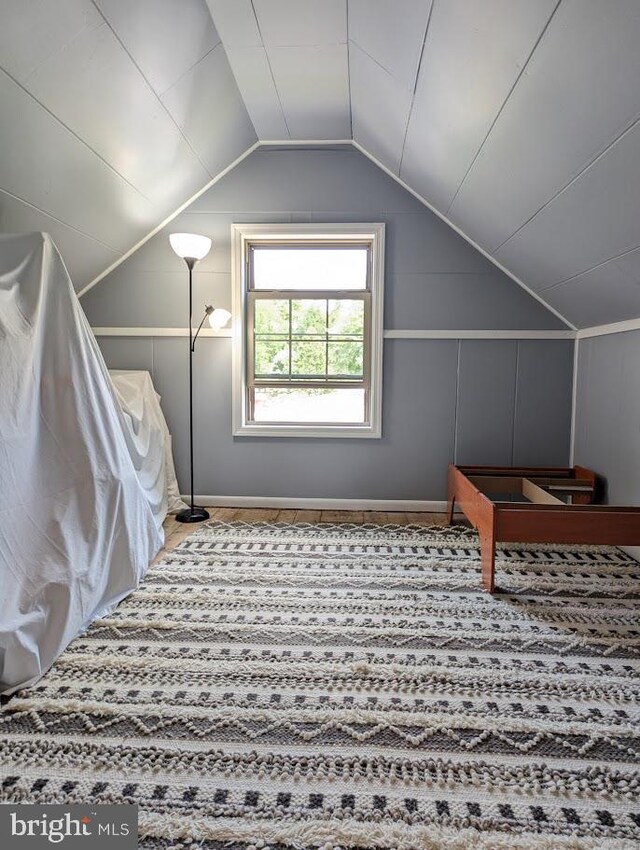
x=544 y=518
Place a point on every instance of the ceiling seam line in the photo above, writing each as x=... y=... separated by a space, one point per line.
x=349 y=75
x=59 y=220
x=467 y=238
x=153 y=91
x=589 y=165
x=591 y=268
x=504 y=103
x=273 y=79
x=415 y=86
x=78 y=138
x=373 y=59
x=178 y=127
x=189 y=69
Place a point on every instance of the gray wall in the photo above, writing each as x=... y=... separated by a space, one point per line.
x=480 y=401
x=607 y=437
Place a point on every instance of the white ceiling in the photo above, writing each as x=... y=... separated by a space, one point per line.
x=515 y=119
x=518 y=121
x=112 y=114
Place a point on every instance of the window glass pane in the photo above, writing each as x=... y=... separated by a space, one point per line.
x=308 y=358
x=346 y=358
x=289 y=404
x=271 y=357
x=327 y=338
x=271 y=316
x=309 y=317
x=346 y=317
x=309 y=268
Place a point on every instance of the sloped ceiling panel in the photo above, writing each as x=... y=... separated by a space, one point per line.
x=204 y=103
x=528 y=143
x=386 y=39
x=469 y=67
x=165 y=38
x=392 y=32
x=238 y=26
x=579 y=94
x=594 y=219
x=45 y=164
x=290 y=60
x=82 y=254
x=104 y=106
x=255 y=80
x=607 y=293
x=294 y=23
x=323 y=69
x=375 y=93
x=555 y=191
x=93 y=88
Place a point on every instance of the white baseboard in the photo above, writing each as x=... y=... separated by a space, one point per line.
x=284 y=502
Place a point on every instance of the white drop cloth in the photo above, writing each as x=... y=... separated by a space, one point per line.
x=76 y=529
x=148 y=440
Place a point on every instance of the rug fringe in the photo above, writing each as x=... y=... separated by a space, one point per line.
x=334 y=835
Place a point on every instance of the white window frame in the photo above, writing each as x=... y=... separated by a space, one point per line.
x=242 y=236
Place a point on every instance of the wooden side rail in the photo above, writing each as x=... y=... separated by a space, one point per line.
x=603 y=525
x=523 y=471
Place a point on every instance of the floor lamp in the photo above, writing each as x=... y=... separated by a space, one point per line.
x=192 y=247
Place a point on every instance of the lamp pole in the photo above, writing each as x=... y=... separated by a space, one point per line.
x=192 y=513
x=192 y=247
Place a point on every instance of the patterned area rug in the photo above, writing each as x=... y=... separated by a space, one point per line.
x=342 y=686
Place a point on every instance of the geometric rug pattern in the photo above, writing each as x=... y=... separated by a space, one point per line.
x=350 y=686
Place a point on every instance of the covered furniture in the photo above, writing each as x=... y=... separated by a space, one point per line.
x=77 y=530
x=148 y=439
x=536 y=505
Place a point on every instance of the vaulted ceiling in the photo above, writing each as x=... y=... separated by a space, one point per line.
x=113 y=113
x=518 y=121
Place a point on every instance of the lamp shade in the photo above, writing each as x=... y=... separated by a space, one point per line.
x=218 y=318
x=190 y=245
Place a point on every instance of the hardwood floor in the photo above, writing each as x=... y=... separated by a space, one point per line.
x=175 y=532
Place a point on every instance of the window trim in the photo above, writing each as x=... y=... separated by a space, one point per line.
x=242 y=235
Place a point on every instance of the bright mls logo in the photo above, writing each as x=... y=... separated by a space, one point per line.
x=31 y=827
x=54 y=829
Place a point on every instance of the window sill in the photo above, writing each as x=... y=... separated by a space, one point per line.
x=310 y=431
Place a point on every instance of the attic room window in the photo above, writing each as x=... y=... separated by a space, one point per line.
x=308 y=329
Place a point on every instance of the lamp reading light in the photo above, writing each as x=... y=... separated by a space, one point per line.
x=218 y=318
